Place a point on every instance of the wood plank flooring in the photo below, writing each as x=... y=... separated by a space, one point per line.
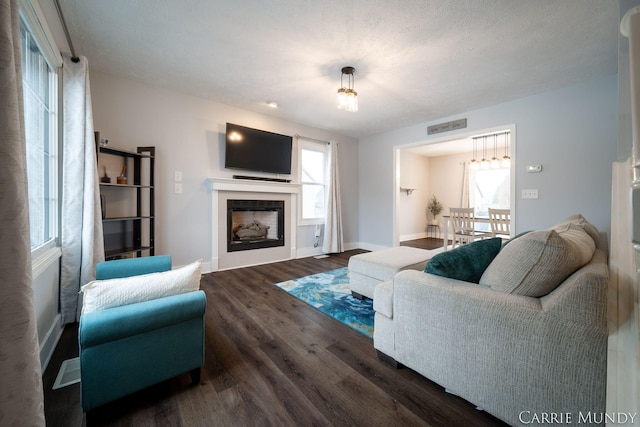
x=272 y=360
x=425 y=243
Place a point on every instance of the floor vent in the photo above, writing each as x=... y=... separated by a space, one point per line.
x=69 y=373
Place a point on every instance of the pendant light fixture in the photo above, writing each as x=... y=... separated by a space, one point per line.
x=506 y=160
x=474 y=164
x=484 y=163
x=347 y=96
x=495 y=161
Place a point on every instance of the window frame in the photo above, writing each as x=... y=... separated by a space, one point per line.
x=33 y=21
x=321 y=148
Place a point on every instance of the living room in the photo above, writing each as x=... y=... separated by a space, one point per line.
x=572 y=130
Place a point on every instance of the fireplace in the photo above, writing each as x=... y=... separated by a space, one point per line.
x=254 y=224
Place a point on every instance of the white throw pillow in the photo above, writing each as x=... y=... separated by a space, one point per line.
x=103 y=294
x=581 y=222
x=582 y=243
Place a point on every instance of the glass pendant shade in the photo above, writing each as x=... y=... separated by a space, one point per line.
x=342 y=98
x=495 y=161
x=484 y=163
x=347 y=96
x=506 y=160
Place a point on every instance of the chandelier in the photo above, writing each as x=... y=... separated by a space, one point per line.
x=495 y=161
x=347 y=96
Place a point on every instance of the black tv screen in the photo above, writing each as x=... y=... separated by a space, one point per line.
x=257 y=150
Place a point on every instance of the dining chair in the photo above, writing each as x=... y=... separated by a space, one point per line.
x=500 y=220
x=463 y=221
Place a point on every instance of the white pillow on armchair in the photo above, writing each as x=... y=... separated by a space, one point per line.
x=103 y=294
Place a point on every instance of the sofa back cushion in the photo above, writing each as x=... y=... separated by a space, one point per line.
x=536 y=263
x=466 y=262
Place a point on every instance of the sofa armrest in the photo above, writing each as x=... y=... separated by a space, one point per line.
x=120 y=322
x=120 y=268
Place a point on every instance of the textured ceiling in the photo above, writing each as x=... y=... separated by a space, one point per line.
x=416 y=61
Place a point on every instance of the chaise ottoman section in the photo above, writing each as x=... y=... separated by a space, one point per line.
x=367 y=270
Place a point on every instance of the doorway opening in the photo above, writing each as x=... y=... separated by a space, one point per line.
x=440 y=168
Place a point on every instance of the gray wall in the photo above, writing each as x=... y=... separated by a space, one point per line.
x=572 y=132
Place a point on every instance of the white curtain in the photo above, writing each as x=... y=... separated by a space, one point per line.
x=21 y=396
x=333 y=239
x=464 y=194
x=81 y=233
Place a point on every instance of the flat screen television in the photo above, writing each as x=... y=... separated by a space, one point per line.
x=257 y=150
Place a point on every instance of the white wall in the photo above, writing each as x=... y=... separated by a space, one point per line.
x=188 y=134
x=572 y=132
x=445 y=174
x=412 y=208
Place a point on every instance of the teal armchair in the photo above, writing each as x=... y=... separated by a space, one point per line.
x=128 y=348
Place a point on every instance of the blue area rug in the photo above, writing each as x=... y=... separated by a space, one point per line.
x=329 y=292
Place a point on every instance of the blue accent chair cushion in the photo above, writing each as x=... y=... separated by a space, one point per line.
x=131 y=347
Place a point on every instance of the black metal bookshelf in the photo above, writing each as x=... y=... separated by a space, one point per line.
x=132 y=232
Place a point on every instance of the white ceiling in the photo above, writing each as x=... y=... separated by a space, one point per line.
x=416 y=60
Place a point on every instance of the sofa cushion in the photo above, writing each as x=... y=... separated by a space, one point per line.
x=103 y=294
x=581 y=222
x=466 y=262
x=383 y=265
x=536 y=263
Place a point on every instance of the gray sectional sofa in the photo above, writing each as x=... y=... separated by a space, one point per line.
x=513 y=354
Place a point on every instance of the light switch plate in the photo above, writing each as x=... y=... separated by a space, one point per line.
x=177 y=188
x=177 y=176
x=530 y=193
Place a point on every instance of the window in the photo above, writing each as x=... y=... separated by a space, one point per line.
x=313 y=177
x=489 y=188
x=40 y=92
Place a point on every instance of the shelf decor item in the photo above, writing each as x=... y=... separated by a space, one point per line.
x=105 y=178
x=122 y=178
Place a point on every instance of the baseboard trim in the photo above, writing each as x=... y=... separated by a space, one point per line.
x=308 y=252
x=414 y=236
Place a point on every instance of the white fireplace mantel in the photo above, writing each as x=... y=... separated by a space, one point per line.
x=219 y=187
x=257 y=186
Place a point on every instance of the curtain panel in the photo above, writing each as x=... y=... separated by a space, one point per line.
x=21 y=395
x=81 y=232
x=464 y=194
x=333 y=239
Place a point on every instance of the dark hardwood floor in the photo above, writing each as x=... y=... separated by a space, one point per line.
x=426 y=243
x=272 y=360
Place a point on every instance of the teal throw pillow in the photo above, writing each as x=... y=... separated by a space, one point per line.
x=466 y=262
